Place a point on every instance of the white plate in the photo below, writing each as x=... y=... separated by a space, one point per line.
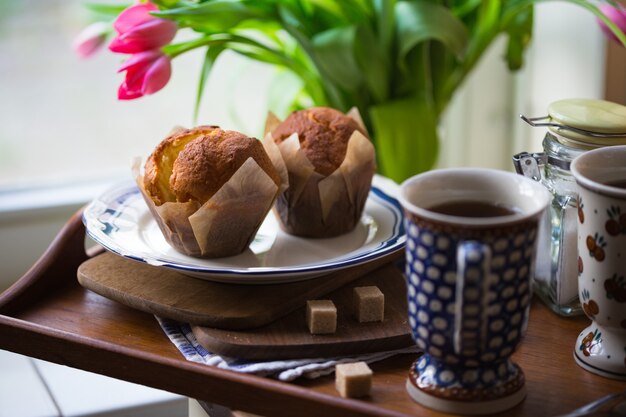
x=120 y=221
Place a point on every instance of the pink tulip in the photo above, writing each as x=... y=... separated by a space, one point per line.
x=91 y=39
x=617 y=16
x=139 y=31
x=146 y=73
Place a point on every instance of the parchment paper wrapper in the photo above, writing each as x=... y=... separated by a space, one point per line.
x=314 y=205
x=224 y=225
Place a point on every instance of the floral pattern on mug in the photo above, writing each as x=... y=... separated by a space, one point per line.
x=596 y=245
x=581 y=266
x=615 y=288
x=591 y=343
x=616 y=223
x=590 y=307
x=581 y=213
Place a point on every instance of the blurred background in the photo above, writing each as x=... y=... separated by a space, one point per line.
x=64 y=136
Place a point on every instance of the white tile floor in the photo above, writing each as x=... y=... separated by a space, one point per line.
x=34 y=388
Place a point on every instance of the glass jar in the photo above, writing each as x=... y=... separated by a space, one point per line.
x=574 y=126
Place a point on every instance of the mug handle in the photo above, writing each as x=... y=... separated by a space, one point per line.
x=472 y=287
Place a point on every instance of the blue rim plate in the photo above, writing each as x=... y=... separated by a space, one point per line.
x=120 y=221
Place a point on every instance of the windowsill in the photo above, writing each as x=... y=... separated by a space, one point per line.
x=37 y=388
x=30 y=218
x=26 y=202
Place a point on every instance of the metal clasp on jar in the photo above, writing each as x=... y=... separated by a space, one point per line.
x=550 y=123
x=529 y=164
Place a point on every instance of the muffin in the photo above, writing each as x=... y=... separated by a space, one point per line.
x=330 y=164
x=209 y=190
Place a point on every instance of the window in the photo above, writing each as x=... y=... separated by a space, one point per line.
x=64 y=135
x=61 y=120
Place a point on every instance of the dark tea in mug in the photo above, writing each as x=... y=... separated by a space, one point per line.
x=617 y=183
x=468 y=208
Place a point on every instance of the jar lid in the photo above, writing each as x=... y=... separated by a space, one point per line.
x=597 y=117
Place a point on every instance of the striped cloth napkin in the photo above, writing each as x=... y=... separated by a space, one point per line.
x=284 y=370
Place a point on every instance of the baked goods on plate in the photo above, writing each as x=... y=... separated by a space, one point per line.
x=209 y=190
x=329 y=162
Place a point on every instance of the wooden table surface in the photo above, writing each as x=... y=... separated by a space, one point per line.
x=47 y=315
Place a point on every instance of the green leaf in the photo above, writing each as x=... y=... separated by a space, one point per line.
x=292 y=16
x=487 y=23
x=262 y=29
x=406 y=137
x=313 y=82
x=294 y=25
x=423 y=20
x=259 y=54
x=385 y=22
x=348 y=11
x=486 y=27
x=441 y=64
x=217 y=15
x=356 y=10
x=334 y=50
x=209 y=60
x=519 y=32
x=330 y=6
x=111 y=10
x=489 y=14
x=464 y=7
x=167 y=4
x=415 y=77
x=373 y=62
x=329 y=93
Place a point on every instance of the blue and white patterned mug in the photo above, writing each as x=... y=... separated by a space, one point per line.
x=469 y=285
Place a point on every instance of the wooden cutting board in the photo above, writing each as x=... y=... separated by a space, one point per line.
x=169 y=294
x=289 y=337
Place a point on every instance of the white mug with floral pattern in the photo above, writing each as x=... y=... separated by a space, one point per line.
x=601 y=178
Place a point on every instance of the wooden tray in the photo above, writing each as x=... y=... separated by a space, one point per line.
x=48 y=315
x=289 y=337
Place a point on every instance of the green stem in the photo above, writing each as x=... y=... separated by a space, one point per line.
x=174 y=50
x=311 y=81
x=406 y=137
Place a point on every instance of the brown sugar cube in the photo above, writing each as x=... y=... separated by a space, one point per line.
x=369 y=304
x=321 y=316
x=353 y=379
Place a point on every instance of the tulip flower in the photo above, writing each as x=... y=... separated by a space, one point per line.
x=146 y=73
x=139 y=31
x=91 y=39
x=617 y=14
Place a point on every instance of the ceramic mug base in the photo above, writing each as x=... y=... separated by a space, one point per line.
x=464 y=407
x=469 y=401
x=601 y=352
